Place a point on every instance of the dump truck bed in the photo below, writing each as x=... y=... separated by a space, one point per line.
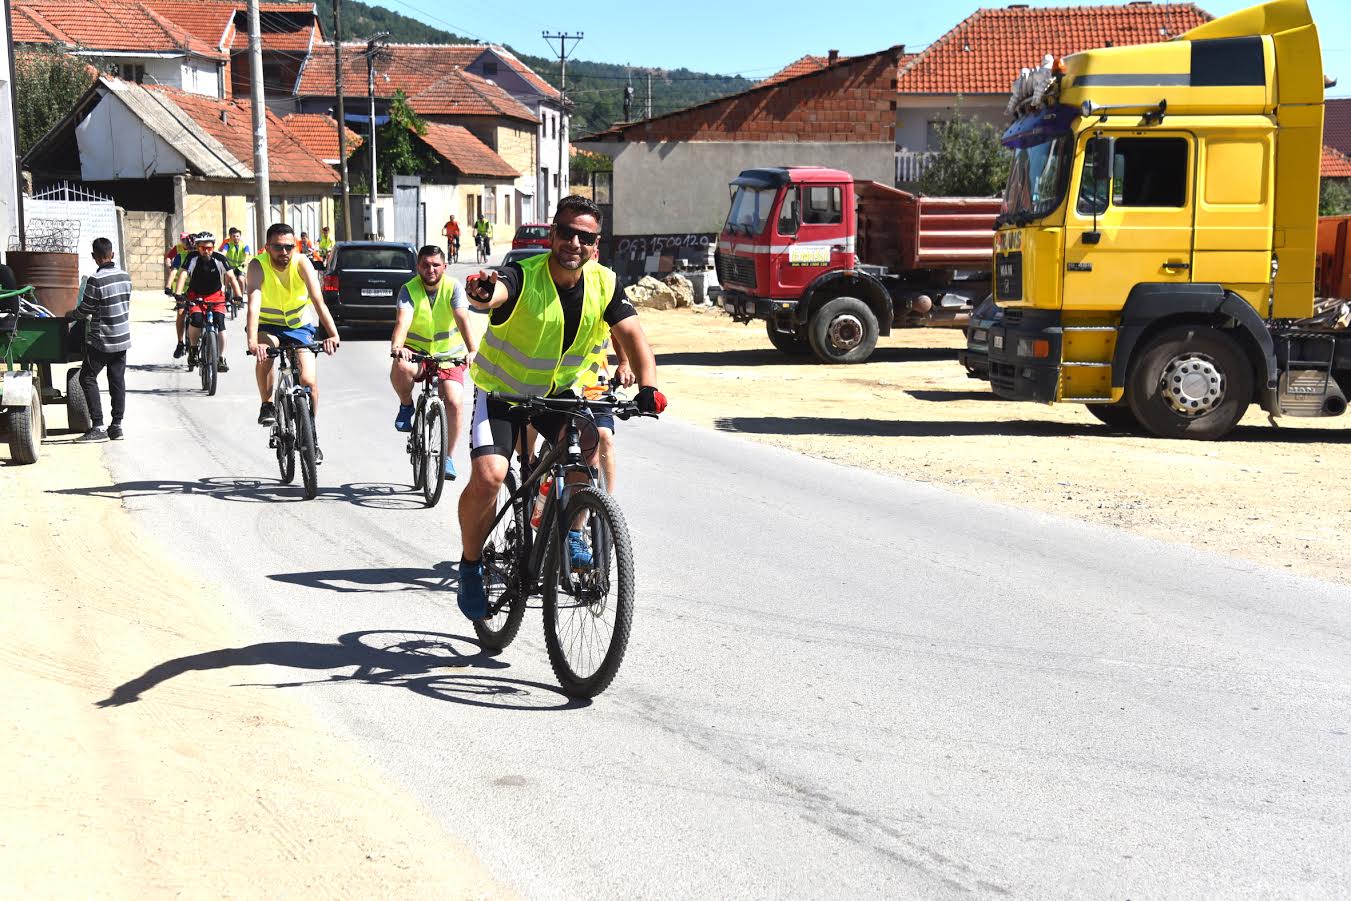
x=904 y=231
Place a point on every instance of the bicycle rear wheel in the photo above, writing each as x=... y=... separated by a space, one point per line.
x=503 y=573
x=417 y=450
x=284 y=431
x=209 y=359
x=305 y=448
x=588 y=612
x=433 y=452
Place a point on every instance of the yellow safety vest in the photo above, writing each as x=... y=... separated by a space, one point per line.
x=525 y=354
x=283 y=303
x=433 y=329
x=237 y=254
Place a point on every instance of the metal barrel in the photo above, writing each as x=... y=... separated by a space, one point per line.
x=55 y=277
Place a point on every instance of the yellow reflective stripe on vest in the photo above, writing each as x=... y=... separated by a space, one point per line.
x=538 y=364
x=433 y=329
x=282 y=304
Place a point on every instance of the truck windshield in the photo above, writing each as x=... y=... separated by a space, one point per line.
x=750 y=210
x=1037 y=180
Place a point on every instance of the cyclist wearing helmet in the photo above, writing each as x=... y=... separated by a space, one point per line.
x=175 y=257
x=206 y=275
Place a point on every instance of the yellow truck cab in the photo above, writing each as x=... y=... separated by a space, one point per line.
x=1156 y=248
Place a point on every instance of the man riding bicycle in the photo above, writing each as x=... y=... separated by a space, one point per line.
x=452 y=232
x=433 y=319
x=483 y=230
x=176 y=257
x=205 y=276
x=238 y=253
x=550 y=315
x=284 y=303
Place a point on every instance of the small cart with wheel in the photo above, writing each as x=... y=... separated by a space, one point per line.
x=29 y=346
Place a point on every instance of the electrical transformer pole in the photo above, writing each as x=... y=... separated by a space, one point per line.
x=262 y=194
x=562 y=38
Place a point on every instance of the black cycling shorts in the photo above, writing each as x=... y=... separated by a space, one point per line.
x=197 y=320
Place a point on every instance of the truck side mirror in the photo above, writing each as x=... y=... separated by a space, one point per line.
x=1099 y=151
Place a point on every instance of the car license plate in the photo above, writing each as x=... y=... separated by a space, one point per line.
x=377 y=292
x=998 y=342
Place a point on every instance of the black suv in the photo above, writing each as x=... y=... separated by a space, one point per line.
x=362 y=280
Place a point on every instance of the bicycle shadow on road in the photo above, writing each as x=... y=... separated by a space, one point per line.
x=444 y=576
x=377 y=495
x=413 y=660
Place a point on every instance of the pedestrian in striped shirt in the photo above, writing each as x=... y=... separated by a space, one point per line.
x=107 y=303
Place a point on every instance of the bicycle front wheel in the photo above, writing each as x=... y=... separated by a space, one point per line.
x=504 y=573
x=305 y=448
x=588 y=608
x=210 y=357
x=417 y=450
x=433 y=452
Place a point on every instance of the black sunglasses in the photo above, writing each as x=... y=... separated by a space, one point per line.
x=567 y=233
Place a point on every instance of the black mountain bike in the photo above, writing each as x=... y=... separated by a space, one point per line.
x=292 y=434
x=588 y=609
x=205 y=354
x=428 y=443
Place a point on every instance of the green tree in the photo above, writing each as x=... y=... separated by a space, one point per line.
x=1334 y=197
x=969 y=161
x=47 y=83
x=584 y=162
x=396 y=151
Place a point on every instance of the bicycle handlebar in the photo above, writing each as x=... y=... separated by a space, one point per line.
x=417 y=356
x=314 y=347
x=575 y=406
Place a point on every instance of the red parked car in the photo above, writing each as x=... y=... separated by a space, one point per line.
x=532 y=234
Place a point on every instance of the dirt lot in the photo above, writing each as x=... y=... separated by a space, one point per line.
x=1269 y=495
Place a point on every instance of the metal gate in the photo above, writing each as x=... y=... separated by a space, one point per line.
x=95 y=213
x=408 y=209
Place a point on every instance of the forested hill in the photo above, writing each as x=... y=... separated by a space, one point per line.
x=597 y=89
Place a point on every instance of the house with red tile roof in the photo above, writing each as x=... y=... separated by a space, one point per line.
x=1334 y=164
x=971 y=68
x=484 y=88
x=319 y=133
x=178 y=161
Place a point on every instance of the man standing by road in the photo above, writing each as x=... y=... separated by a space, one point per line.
x=285 y=305
x=107 y=301
x=550 y=314
x=433 y=319
x=452 y=232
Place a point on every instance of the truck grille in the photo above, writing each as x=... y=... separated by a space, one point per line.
x=1003 y=378
x=735 y=270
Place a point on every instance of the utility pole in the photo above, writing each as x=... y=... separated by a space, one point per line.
x=342 y=122
x=372 y=48
x=649 y=95
x=262 y=195
x=562 y=38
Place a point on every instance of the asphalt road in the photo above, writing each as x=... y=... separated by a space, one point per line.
x=838 y=684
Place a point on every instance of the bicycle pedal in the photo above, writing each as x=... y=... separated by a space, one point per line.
x=272 y=441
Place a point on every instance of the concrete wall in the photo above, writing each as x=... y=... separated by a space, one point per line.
x=674 y=187
x=915 y=112
x=216 y=206
x=146 y=237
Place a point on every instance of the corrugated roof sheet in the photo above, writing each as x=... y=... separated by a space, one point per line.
x=985 y=52
x=466 y=153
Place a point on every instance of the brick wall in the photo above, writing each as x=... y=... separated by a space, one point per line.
x=145 y=237
x=853 y=101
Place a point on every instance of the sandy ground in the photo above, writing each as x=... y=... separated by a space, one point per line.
x=1271 y=495
x=182 y=792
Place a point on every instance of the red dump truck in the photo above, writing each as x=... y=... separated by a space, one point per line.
x=830 y=264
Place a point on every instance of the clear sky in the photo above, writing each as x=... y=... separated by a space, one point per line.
x=756 y=38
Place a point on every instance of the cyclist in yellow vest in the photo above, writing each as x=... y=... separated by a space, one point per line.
x=285 y=305
x=433 y=319
x=550 y=315
x=237 y=253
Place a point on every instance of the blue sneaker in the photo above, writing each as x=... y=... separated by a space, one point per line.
x=581 y=554
x=472 y=597
x=404 y=421
x=449 y=468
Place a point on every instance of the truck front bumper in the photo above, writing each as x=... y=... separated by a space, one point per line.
x=744 y=307
x=1018 y=368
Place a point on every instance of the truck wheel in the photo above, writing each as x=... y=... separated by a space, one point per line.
x=1190 y=381
x=796 y=345
x=77 y=408
x=25 y=430
x=843 y=331
x=1117 y=416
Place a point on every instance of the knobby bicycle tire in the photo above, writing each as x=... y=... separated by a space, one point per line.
x=286 y=448
x=208 y=360
x=305 y=449
x=417 y=453
x=503 y=576
x=575 y=623
x=434 y=452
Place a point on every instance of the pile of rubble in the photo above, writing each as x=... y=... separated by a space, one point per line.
x=667 y=294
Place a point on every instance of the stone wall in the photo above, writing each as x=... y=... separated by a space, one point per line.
x=145 y=238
